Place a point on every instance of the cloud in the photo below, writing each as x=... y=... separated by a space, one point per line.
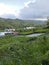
x=38 y=9
x=11 y=16
x=27 y=3
x=7 y=9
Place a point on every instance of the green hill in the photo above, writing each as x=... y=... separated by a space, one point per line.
x=10 y=23
x=17 y=23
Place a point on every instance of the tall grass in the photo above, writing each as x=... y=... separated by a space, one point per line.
x=24 y=50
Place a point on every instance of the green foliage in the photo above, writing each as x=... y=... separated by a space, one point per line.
x=24 y=50
x=48 y=24
x=13 y=23
x=15 y=50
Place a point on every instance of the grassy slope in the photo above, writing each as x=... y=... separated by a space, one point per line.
x=24 y=50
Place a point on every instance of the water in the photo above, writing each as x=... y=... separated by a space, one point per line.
x=34 y=35
x=31 y=35
x=2 y=34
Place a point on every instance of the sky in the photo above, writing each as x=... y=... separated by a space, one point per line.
x=24 y=9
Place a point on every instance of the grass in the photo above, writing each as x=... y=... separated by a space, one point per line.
x=32 y=31
x=24 y=50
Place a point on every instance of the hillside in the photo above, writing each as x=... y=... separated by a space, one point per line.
x=10 y=23
x=36 y=22
x=17 y=23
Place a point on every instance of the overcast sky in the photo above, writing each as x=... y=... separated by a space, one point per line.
x=24 y=9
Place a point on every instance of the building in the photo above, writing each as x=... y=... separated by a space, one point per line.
x=29 y=28
x=9 y=30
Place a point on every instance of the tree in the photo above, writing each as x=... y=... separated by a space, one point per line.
x=48 y=23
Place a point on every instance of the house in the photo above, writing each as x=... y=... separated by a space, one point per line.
x=9 y=30
x=29 y=28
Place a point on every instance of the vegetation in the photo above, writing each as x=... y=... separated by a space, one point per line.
x=17 y=23
x=21 y=50
x=31 y=31
x=13 y=23
x=24 y=50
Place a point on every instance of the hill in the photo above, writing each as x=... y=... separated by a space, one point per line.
x=18 y=23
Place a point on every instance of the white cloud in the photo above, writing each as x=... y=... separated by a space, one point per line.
x=27 y=3
x=36 y=9
x=6 y=9
x=40 y=19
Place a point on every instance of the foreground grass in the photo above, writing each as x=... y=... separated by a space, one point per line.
x=24 y=50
